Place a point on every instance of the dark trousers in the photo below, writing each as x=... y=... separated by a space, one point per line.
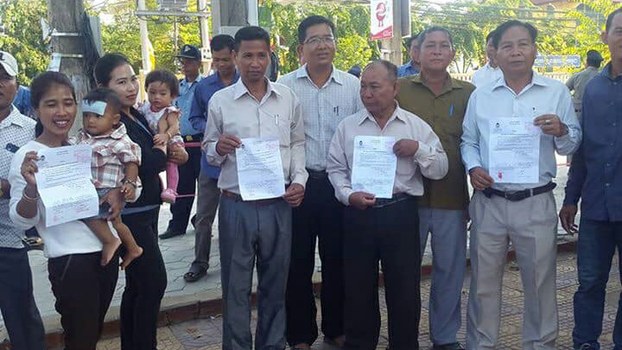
x=188 y=175
x=597 y=244
x=388 y=234
x=321 y=216
x=83 y=290
x=19 y=311
x=145 y=282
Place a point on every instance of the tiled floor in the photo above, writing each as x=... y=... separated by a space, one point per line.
x=205 y=334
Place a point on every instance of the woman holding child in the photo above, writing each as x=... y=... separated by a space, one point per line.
x=82 y=285
x=145 y=276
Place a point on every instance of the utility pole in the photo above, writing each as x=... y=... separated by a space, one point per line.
x=204 y=31
x=230 y=15
x=144 y=37
x=66 y=18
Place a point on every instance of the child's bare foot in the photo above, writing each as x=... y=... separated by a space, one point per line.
x=108 y=251
x=130 y=256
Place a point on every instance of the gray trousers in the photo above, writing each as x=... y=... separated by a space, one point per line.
x=448 y=231
x=531 y=226
x=252 y=234
x=207 y=204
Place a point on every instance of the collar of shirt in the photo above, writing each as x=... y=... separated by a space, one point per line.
x=302 y=73
x=183 y=82
x=397 y=114
x=606 y=72
x=215 y=79
x=536 y=79
x=14 y=118
x=116 y=134
x=450 y=83
x=239 y=90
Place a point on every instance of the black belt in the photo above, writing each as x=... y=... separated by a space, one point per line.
x=515 y=196
x=259 y=202
x=317 y=175
x=397 y=197
x=193 y=138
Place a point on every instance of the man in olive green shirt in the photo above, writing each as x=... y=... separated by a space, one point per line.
x=441 y=101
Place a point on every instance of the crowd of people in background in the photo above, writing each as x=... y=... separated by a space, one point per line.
x=193 y=128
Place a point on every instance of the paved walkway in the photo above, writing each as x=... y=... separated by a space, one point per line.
x=178 y=252
x=205 y=334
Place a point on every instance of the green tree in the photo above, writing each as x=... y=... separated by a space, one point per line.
x=23 y=36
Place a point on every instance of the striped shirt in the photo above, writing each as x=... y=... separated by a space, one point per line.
x=323 y=108
x=15 y=131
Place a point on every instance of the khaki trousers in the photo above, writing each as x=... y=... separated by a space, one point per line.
x=531 y=226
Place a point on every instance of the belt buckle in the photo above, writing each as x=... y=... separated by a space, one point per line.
x=188 y=137
x=508 y=195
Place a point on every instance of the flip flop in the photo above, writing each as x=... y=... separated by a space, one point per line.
x=195 y=274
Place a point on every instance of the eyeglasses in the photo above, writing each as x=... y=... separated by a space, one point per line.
x=317 y=40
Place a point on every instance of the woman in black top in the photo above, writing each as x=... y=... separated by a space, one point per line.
x=145 y=278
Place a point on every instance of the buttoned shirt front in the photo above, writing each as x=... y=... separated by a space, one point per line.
x=595 y=173
x=323 y=108
x=111 y=153
x=444 y=113
x=541 y=96
x=184 y=103
x=15 y=131
x=486 y=75
x=430 y=159
x=234 y=111
x=407 y=69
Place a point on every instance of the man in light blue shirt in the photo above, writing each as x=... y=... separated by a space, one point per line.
x=190 y=60
x=412 y=67
x=504 y=209
x=208 y=193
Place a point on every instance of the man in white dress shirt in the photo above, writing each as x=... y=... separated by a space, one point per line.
x=490 y=71
x=383 y=229
x=327 y=95
x=521 y=213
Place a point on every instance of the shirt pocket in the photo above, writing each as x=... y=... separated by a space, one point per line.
x=276 y=125
x=101 y=156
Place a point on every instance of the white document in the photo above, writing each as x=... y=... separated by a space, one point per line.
x=64 y=183
x=260 y=169
x=514 y=153
x=374 y=165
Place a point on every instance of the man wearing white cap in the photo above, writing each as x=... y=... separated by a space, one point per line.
x=17 y=303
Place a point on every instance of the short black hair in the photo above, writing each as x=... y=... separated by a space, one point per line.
x=44 y=81
x=106 y=95
x=251 y=33
x=422 y=35
x=105 y=65
x=40 y=86
x=390 y=67
x=610 y=19
x=310 y=22
x=505 y=26
x=490 y=36
x=165 y=77
x=222 y=41
x=410 y=40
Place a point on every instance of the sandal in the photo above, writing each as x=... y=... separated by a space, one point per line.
x=194 y=274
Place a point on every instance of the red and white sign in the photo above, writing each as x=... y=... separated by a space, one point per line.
x=381 y=19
